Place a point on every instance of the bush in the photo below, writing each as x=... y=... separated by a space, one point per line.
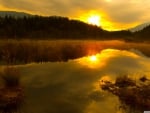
x=11 y=94
x=11 y=77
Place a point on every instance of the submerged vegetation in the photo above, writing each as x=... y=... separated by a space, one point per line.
x=11 y=91
x=134 y=95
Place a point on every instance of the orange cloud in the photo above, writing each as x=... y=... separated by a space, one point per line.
x=115 y=14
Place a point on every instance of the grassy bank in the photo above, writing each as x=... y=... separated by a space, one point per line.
x=26 y=51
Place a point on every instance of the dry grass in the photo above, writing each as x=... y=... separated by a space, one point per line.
x=26 y=51
x=135 y=97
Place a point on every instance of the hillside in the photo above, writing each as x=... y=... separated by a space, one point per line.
x=139 y=27
x=53 y=27
x=14 y=14
x=18 y=25
x=143 y=34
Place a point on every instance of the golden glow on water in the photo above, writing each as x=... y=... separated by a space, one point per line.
x=93 y=58
x=91 y=61
x=100 y=59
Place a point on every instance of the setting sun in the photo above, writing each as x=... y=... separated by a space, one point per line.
x=94 y=20
x=91 y=17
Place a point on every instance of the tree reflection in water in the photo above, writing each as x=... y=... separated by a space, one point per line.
x=134 y=95
x=11 y=91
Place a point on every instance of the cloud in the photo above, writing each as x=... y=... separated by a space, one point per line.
x=73 y=87
x=119 y=14
x=118 y=10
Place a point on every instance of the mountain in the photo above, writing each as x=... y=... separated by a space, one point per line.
x=52 y=27
x=139 y=27
x=14 y=14
x=143 y=34
x=48 y=27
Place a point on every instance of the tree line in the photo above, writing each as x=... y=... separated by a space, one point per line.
x=53 y=27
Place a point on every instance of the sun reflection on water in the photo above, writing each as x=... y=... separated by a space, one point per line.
x=93 y=61
x=100 y=59
x=96 y=60
x=93 y=58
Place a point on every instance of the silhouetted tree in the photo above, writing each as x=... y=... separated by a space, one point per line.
x=54 y=27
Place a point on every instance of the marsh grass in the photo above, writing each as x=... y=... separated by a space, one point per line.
x=11 y=94
x=132 y=96
x=26 y=51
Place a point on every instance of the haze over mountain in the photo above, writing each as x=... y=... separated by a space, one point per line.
x=14 y=14
x=57 y=27
x=139 y=27
x=23 y=14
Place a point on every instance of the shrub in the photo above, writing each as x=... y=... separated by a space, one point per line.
x=11 y=77
x=12 y=93
x=133 y=96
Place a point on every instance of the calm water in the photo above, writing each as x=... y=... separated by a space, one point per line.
x=73 y=86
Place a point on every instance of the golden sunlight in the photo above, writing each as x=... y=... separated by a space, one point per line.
x=93 y=61
x=108 y=0
x=93 y=58
x=90 y=61
x=91 y=17
x=102 y=19
x=94 y=20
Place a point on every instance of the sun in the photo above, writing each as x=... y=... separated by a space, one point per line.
x=94 y=20
x=92 y=17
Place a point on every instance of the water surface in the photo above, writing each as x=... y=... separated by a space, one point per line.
x=73 y=86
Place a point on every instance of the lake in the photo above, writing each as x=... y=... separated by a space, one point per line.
x=74 y=86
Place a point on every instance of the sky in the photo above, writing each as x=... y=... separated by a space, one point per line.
x=73 y=87
x=114 y=14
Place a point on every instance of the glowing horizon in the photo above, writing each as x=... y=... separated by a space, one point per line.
x=94 y=20
x=108 y=14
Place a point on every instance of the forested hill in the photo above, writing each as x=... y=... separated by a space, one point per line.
x=53 y=27
x=143 y=35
